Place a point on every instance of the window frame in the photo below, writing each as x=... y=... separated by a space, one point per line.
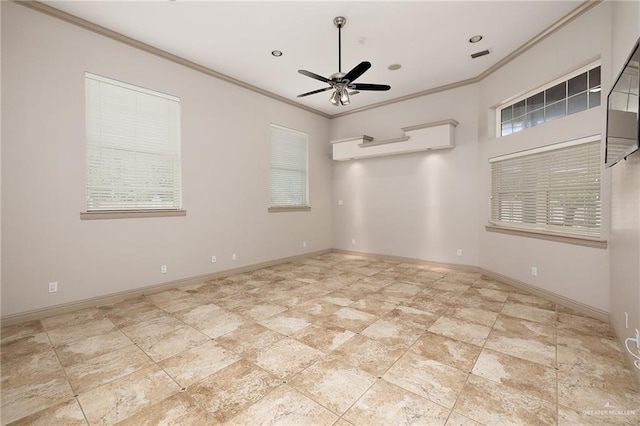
x=549 y=231
x=305 y=205
x=541 y=89
x=173 y=156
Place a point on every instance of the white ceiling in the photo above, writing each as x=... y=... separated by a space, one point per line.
x=235 y=38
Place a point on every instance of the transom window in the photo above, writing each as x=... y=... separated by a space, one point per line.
x=574 y=93
x=133 y=147
x=550 y=189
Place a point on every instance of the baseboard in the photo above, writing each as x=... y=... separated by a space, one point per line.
x=458 y=266
x=117 y=297
x=551 y=296
x=155 y=288
x=536 y=291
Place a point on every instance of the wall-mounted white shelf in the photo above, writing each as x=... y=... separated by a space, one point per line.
x=422 y=137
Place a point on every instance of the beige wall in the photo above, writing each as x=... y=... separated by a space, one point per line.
x=225 y=163
x=427 y=205
x=571 y=271
x=625 y=195
x=422 y=205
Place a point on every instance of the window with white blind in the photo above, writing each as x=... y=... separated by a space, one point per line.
x=550 y=189
x=133 y=147
x=289 y=169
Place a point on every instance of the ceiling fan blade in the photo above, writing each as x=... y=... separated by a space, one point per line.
x=315 y=91
x=315 y=76
x=357 y=71
x=367 y=86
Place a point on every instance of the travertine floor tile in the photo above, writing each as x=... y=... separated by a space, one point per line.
x=19 y=331
x=370 y=355
x=249 y=338
x=153 y=327
x=430 y=379
x=178 y=409
x=606 y=415
x=351 y=319
x=524 y=339
x=324 y=337
x=64 y=335
x=412 y=316
x=524 y=376
x=387 y=404
x=464 y=331
x=451 y=352
x=225 y=393
x=67 y=413
x=457 y=419
x=492 y=404
x=126 y=396
x=304 y=342
x=105 y=368
x=334 y=383
x=286 y=323
x=285 y=406
x=25 y=346
x=91 y=347
x=72 y=318
x=191 y=366
x=477 y=316
x=530 y=313
x=165 y=345
x=285 y=357
x=33 y=394
x=393 y=332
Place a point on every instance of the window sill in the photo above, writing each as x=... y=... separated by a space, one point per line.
x=550 y=236
x=289 y=209
x=130 y=214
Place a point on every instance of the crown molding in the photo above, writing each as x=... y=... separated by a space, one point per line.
x=83 y=23
x=67 y=17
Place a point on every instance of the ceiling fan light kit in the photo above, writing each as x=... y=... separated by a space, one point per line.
x=343 y=84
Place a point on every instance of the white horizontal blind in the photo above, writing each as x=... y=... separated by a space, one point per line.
x=133 y=147
x=289 y=163
x=555 y=190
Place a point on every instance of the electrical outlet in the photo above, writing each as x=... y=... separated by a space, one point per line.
x=213 y=259
x=304 y=244
x=234 y=257
x=353 y=242
x=534 y=271
x=163 y=269
x=459 y=252
x=637 y=339
x=340 y=202
x=53 y=287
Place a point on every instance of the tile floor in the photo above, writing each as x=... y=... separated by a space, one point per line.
x=329 y=340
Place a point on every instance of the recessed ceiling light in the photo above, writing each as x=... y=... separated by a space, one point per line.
x=394 y=67
x=475 y=39
x=276 y=53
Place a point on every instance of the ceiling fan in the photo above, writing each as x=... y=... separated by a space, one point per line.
x=341 y=82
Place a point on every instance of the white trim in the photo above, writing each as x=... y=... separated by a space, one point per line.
x=130 y=87
x=546 y=148
x=568 y=76
x=518 y=98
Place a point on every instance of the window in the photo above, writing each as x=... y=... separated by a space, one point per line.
x=553 y=189
x=133 y=147
x=574 y=93
x=289 y=168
